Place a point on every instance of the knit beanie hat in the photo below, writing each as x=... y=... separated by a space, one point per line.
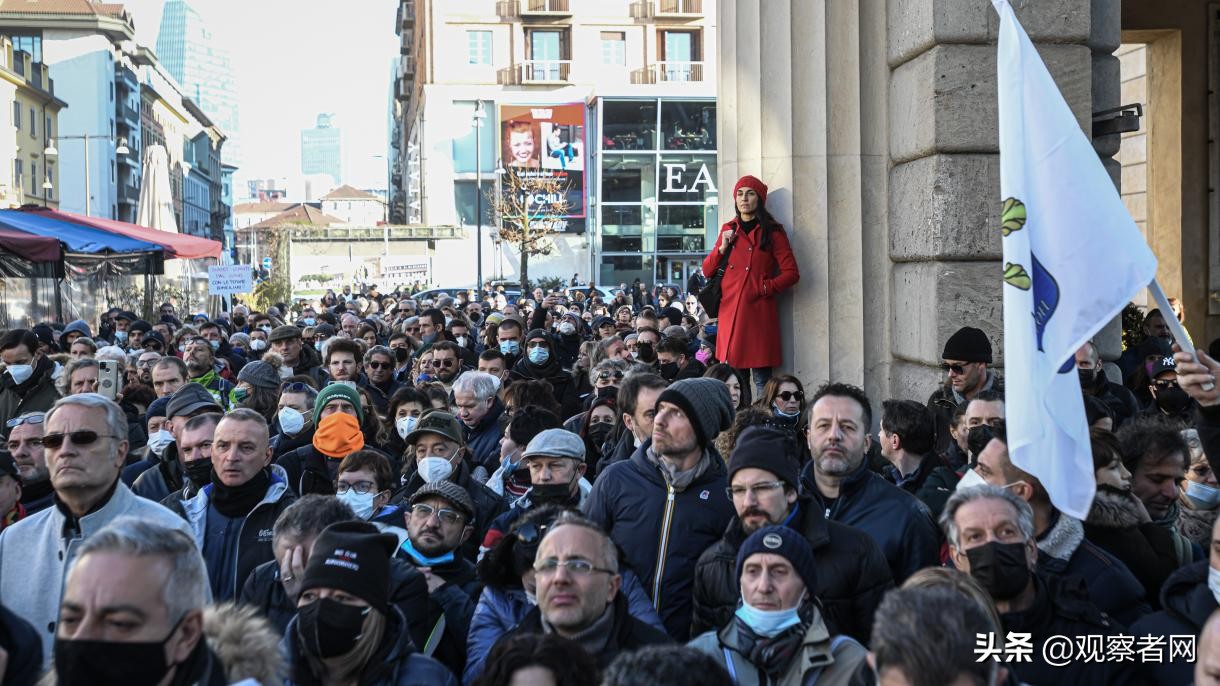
x=338 y=435
x=260 y=374
x=77 y=326
x=968 y=345
x=753 y=183
x=337 y=390
x=769 y=449
x=777 y=540
x=707 y=405
x=353 y=557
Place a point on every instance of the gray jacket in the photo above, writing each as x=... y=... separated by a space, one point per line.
x=823 y=660
x=35 y=556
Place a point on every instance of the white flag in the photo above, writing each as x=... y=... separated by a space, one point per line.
x=1073 y=258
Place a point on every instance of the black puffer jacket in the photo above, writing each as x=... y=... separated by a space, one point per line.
x=852 y=575
x=551 y=372
x=896 y=520
x=1187 y=602
x=456 y=600
x=309 y=471
x=408 y=591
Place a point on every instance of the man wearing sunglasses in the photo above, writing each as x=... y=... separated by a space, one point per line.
x=579 y=593
x=25 y=445
x=447 y=362
x=26 y=384
x=964 y=360
x=438 y=522
x=85 y=437
x=379 y=371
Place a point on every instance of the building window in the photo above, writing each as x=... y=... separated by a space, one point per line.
x=629 y=125
x=688 y=125
x=30 y=44
x=614 y=48
x=17 y=115
x=33 y=124
x=466 y=201
x=46 y=130
x=629 y=178
x=547 y=50
x=478 y=47
x=33 y=178
x=18 y=171
x=681 y=53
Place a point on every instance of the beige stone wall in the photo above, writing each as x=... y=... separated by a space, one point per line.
x=1133 y=153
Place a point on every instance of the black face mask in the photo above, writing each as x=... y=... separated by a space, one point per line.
x=1172 y=400
x=610 y=392
x=239 y=322
x=1088 y=377
x=1000 y=568
x=598 y=433
x=978 y=438
x=107 y=663
x=550 y=494
x=198 y=471
x=402 y=354
x=328 y=628
x=646 y=353
x=668 y=370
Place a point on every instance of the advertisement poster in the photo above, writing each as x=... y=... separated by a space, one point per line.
x=543 y=142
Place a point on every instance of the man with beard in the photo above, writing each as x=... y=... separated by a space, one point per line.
x=438 y=523
x=286 y=342
x=201 y=366
x=447 y=363
x=841 y=483
x=343 y=361
x=25 y=445
x=1156 y=455
x=763 y=484
x=144 y=365
x=964 y=360
x=27 y=385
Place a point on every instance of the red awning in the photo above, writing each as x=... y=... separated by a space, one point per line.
x=177 y=245
x=29 y=246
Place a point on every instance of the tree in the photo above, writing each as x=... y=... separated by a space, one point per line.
x=532 y=206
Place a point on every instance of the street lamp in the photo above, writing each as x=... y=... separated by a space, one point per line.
x=479 y=116
x=51 y=151
x=46 y=189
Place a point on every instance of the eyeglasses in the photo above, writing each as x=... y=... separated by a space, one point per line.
x=361 y=487
x=31 y=419
x=295 y=387
x=141 y=364
x=758 y=490
x=575 y=567
x=789 y=395
x=953 y=368
x=603 y=375
x=79 y=438
x=441 y=363
x=380 y=365
x=446 y=515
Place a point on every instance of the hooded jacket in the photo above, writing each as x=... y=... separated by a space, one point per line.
x=395 y=663
x=254 y=535
x=823 y=659
x=662 y=531
x=161 y=480
x=895 y=519
x=1186 y=603
x=552 y=372
x=245 y=645
x=1119 y=524
x=852 y=573
x=1064 y=551
x=36 y=394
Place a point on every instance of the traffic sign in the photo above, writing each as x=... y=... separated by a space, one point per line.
x=267 y=263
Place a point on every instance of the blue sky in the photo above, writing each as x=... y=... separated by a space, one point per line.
x=293 y=60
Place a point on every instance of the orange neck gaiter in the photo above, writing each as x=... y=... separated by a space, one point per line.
x=338 y=435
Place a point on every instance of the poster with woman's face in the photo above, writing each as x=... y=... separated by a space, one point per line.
x=547 y=142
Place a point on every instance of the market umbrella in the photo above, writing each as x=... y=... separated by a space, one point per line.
x=156 y=209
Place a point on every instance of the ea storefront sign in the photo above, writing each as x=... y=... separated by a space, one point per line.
x=541 y=143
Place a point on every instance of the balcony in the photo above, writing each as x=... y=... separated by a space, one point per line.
x=507 y=9
x=641 y=9
x=545 y=8
x=406 y=64
x=543 y=71
x=128 y=194
x=406 y=14
x=669 y=72
x=679 y=9
x=128 y=115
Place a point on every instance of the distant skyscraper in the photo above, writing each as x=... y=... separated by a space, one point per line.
x=190 y=53
x=320 y=149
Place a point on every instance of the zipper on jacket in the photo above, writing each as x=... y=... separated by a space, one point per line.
x=666 y=522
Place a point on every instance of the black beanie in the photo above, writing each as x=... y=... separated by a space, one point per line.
x=968 y=345
x=706 y=403
x=769 y=449
x=353 y=557
x=788 y=544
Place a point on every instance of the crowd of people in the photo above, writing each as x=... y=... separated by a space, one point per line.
x=379 y=489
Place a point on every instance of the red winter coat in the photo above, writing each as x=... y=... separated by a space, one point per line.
x=747 y=334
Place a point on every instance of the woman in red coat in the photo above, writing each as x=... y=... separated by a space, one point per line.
x=760 y=267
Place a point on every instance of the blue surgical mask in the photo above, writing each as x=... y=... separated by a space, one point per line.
x=768 y=623
x=423 y=560
x=1213 y=582
x=310 y=321
x=784 y=415
x=510 y=347
x=539 y=355
x=120 y=336
x=1203 y=496
x=317 y=345
x=215 y=345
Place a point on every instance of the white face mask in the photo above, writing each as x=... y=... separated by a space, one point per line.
x=159 y=441
x=461 y=340
x=1203 y=496
x=1213 y=582
x=970 y=478
x=434 y=469
x=362 y=505
x=258 y=344
x=21 y=372
x=291 y=420
x=567 y=328
x=405 y=425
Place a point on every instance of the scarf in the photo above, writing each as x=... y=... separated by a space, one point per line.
x=240 y=500
x=593 y=638
x=771 y=655
x=338 y=435
x=680 y=480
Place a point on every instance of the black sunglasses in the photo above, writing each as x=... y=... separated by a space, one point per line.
x=380 y=365
x=79 y=438
x=530 y=533
x=789 y=395
x=954 y=368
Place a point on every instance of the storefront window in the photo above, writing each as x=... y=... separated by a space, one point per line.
x=629 y=178
x=688 y=125
x=626 y=228
x=680 y=228
x=629 y=125
x=688 y=178
x=626 y=269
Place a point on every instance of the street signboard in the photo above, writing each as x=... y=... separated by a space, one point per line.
x=230 y=279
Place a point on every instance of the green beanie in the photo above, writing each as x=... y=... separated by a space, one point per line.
x=340 y=390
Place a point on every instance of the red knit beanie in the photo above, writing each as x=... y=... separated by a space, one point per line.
x=754 y=184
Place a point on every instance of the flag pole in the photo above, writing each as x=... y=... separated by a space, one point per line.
x=1175 y=327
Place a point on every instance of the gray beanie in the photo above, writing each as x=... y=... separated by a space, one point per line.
x=707 y=405
x=260 y=375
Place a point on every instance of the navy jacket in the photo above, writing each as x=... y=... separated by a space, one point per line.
x=24 y=648
x=896 y=520
x=483 y=440
x=1064 y=551
x=662 y=532
x=1187 y=603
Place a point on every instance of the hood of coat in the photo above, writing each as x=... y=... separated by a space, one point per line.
x=245 y=643
x=1186 y=594
x=1117 y=509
